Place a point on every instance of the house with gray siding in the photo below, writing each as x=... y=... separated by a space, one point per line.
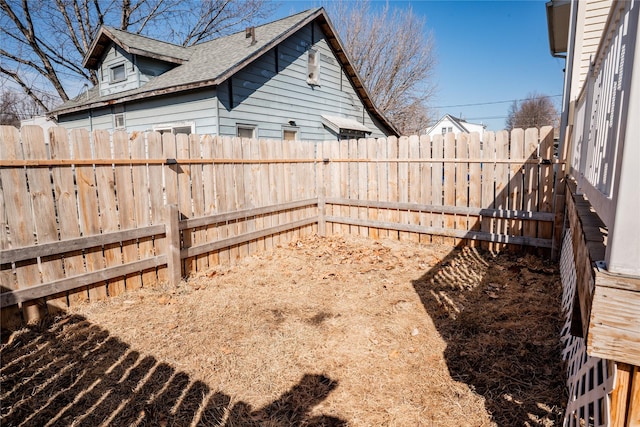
x=289 y=79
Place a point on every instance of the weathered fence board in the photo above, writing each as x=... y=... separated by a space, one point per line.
x=103 y=199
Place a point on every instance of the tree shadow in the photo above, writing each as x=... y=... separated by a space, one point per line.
x=500 y=317
x=73 y=372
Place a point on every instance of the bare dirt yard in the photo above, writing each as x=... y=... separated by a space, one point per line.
x=322 y=332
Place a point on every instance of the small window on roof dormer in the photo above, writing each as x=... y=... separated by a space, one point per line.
x=117 y=73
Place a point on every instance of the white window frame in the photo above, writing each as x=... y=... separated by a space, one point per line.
x=115 y=121
x=112 y=77
x=245 y=126
x=171 y=127
x=295 y=129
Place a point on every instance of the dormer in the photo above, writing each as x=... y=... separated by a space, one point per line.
x=126 y=61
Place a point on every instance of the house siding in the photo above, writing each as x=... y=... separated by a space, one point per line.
x=271 y=100
x=114 y=57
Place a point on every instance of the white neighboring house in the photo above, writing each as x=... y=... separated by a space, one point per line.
x=43 y=121
x=448 y=124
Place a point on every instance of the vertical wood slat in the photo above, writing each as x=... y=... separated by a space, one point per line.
x=209 y=188
x=530 y=199
x=126 y=203
x=517 y=180
x=184 y=198
x=545 y=229
x=437 y=175
x=44 y=211
x=248 y=195
x=174 y=264
x=372 y=185
x=257 y=191
x=108 y=209
x=362 y=182
x=265 y=182
x=197 y=198
x=449 y=184
x=502 y=182
x=488 y=225
x=156 y=196
x=223 y=177
x=343 y=184
x=462 y=182
x=425 y=184
x=353 y=183
x=230 y=194
x=273 y=189
x=321 y=185
x=403 y=182
x=67 y=207
x=393 y=215
x=414 y=183
x=383 y=175
x=9 y=316
x=475 y=183
x=21 y=227
x=88 y=207
x=142 y=206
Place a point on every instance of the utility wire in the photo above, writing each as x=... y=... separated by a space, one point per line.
x=492 y=102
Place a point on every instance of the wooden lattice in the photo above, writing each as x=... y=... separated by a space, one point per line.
x=590 y=380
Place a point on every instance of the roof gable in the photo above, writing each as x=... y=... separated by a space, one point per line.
x=134 y=44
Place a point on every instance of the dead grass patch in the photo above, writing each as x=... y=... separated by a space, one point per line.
x=324 y=331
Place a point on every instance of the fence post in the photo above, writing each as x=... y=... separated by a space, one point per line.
x=174 y=266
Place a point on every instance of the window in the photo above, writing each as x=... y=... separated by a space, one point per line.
x=186 y=128
x=117 y=73
x=444 y=131
x=450 y=129
x=289 y=134
x=119 y=121
x=246 y=131
x=313 y=66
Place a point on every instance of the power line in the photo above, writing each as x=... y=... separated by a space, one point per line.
x=492 y=102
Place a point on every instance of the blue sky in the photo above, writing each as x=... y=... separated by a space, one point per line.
x=487 y=51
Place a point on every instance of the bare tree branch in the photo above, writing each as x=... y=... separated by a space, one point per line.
x=535 y=111
x=393 y=53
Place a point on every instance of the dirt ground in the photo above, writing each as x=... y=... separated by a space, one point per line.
x=324 y=331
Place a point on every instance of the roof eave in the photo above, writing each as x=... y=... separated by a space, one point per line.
x=558 y=17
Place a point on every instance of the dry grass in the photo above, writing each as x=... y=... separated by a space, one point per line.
x=325 y=331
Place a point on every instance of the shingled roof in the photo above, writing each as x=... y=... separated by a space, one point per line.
x=209 y=63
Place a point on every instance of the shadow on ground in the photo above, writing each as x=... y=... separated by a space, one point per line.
x=74 y=372
x=500 y=317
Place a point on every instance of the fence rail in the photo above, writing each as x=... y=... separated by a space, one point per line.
x=94 y=215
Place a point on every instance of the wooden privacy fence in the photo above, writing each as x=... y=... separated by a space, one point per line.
x=93 y=215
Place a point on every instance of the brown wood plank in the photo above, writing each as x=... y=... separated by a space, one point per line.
x=67 y=205
x=126 y=204
x=265 y=184
x=142 y=204
x=353 y=182
x=403 y=183
x=530 y=201
x=475 y=182
x=197 y=196
x=620 y=395
x=462 y=182
x=487 y=225
x=233 y=229
x=248 y=194
x=363 y=181
x=257 y=194
x=449 y=183
x=502 y=182
x=88 y=207
x=43 y=205
x=223 y=180
x=344 y=183
x=516 y=183
x=425 y=185
x=415 y=183
x=156 y=197
x=372 y=184
x=437 y=175
x=21 y=228
x=393 y=183
x=633 y=411
x=274 y=183
x=209 y=188
x=383 y=179
x=546 y=180
x=185 y=199
x=106 y=187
